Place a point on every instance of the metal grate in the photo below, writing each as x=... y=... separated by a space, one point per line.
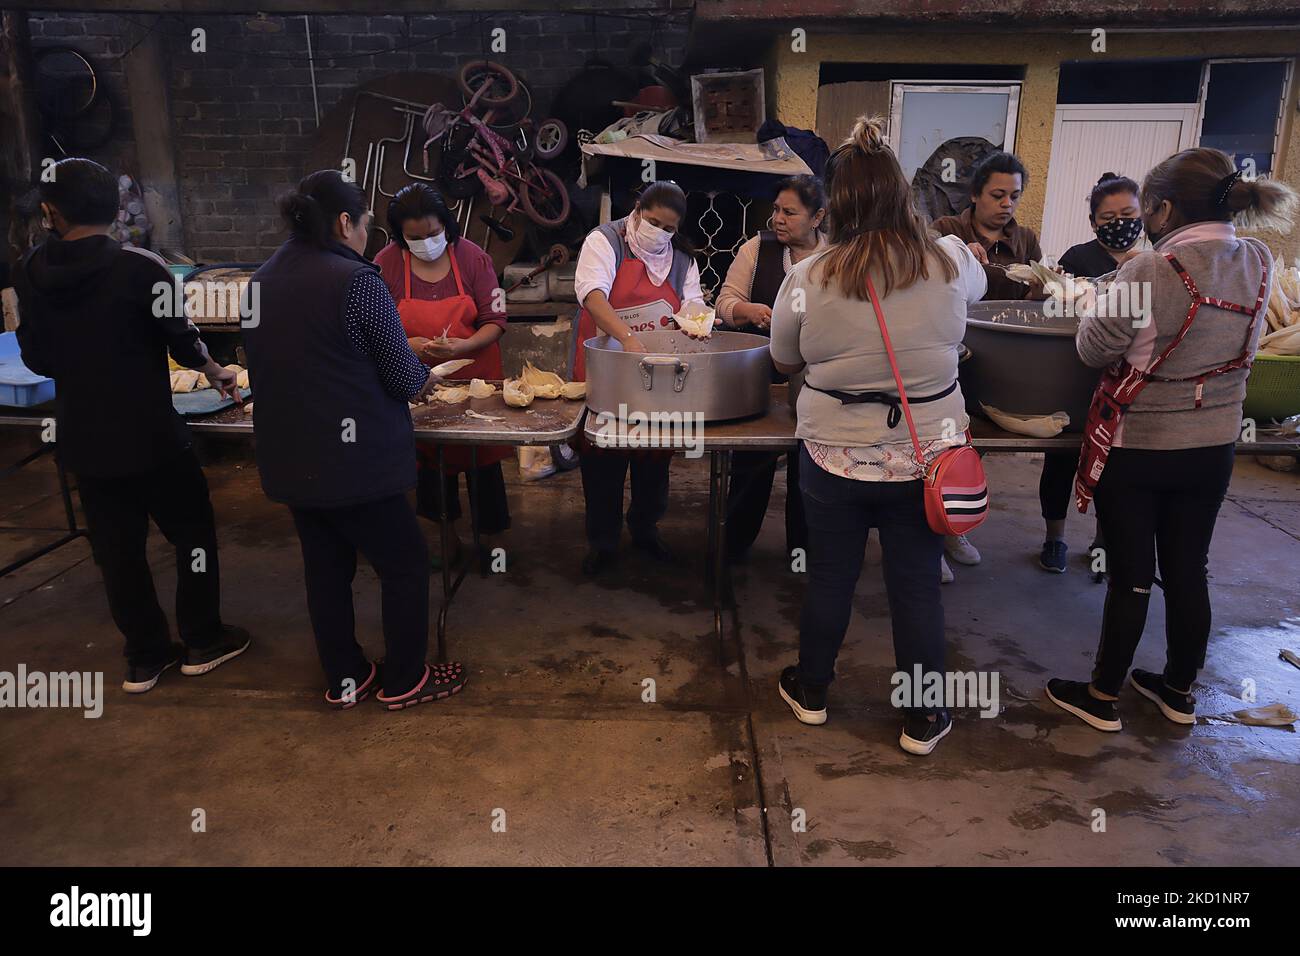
x=722 y=224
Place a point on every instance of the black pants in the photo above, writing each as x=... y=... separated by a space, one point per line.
x=841 y=512
x=491 y=514
x=118 y=510
x=388 y=534
x=752 y=475
x=603 y=473
x=1158 y=504
x=1056 y=484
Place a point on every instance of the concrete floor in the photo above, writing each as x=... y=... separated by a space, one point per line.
x=552 y=737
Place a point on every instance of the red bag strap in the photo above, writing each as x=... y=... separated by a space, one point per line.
x=1199 y=300
x=893 y=367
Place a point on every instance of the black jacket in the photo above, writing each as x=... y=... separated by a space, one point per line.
x=88 y=321
x=328 y=433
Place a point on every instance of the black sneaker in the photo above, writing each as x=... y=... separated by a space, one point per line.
x=1052 y=557
x=1072 y=697
x=1178 y=707
x=234 y=641
x=655 y=547
x=809 y=705
x=921 y=734
x=140 y=680
x=597 y=561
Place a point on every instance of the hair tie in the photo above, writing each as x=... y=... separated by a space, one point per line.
x=1225 y=187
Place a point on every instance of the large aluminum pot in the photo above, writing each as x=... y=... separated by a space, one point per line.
x=725 y=376
x=1023 y=361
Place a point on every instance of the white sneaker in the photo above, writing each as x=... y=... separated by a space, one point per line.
x=961 y=550
x=945 y=572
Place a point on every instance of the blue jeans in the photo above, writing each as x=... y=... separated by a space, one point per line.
x=841 y=513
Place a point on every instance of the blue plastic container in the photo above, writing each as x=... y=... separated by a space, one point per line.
x=19 y=385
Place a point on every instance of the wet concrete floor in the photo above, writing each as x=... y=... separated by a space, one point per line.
x=552 y=755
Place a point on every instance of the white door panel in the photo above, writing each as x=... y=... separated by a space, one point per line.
x=1090 y=140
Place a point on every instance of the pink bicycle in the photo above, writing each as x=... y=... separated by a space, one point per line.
x=476 y=158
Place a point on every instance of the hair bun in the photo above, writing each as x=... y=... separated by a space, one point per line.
x=869 y=133
x=1105 y=177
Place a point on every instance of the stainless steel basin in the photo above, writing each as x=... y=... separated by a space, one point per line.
x=723 y=377
x=1023 y=361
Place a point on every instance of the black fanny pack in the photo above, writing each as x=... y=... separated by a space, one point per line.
x=881 y=398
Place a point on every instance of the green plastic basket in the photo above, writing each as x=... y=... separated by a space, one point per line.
x=1273 y=389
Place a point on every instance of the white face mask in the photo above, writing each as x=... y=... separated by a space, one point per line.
x=429 y=249
x=652 y=238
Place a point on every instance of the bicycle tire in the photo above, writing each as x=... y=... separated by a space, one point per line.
x=45 y=98
x=547 y=217
x=498 y=72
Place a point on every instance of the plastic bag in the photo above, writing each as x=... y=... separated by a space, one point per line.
x=535 y=462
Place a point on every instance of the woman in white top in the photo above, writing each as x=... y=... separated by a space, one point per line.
x=858 y=468
x=633 y=275
x=745 y=304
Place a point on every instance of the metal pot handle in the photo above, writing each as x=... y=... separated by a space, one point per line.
x=647 y=367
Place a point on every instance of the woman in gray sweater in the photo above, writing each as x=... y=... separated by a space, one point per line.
x=858 y=469
x=1171 y=453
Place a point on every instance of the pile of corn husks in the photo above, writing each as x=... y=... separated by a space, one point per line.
x=1282 y=337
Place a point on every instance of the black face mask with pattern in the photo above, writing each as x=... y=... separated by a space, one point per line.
x=1120 y=234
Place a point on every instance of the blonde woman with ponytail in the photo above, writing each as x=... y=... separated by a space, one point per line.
x=858 y=467
x=1170 y=461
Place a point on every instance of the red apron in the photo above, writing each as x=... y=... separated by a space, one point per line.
x=645 y=307
x=640 y=303
x=1121 y=384
x=430 y=318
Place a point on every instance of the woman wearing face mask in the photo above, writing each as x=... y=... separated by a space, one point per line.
x=632 y=275
x=745 y=304
x=445 y=286
x=1159 y=460
x=1115 y=217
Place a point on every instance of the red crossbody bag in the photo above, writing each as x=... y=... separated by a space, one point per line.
x=956 y=492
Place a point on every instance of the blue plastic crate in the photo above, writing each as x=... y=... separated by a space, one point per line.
x=19 y=385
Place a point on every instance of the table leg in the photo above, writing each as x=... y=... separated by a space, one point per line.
x=720 y=469
x=471 y=479
x=713 y=509
x=444 y=526
x=70 y=514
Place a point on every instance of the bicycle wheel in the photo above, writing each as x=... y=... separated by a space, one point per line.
x=552 y=136
x=544 y=198
x=499 y=86
x=65 y=82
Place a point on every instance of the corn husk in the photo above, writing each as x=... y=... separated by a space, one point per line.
x=517 y=393
x=184 y=380
x=450 y=395
x=695 y=318
x=478 y=388
x=448 y=367
x=574 y=390
x=539 y=379
x=1036 y=426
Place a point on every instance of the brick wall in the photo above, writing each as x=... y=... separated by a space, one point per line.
x=242 y=112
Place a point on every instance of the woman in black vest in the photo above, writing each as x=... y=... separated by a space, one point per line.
x=332 y=373
x=745 y=304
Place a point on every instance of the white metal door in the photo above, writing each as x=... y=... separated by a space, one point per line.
x=1090 y=140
